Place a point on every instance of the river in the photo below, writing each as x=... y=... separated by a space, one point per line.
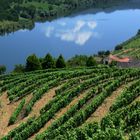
x=83 y=33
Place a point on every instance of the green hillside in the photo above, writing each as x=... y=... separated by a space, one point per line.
x=129 y=48
x=71 y=104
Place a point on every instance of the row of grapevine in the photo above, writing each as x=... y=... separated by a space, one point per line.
x=122 y=118
x=71 y=112
x=110 y=128
x=18 y=129
x=82 y=86
x=56 y=107
x=30 y=88
x=127 y=96
x=38 y=72
x=17 y=111
x=39 y=93
x=96 y=84
x=77 y=80
x=83 y=114
x=41 y=120
x=71 y=122
x=11 y=133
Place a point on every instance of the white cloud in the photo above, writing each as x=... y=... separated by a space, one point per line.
x=83 y=37
x=92 y=24
x=48 y=31
x=62 y=23
x=66 y=36
x=79 y=25
x=79 y=38
x=76 y=34
x=23 y=30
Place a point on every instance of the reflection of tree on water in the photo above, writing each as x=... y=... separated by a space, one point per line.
x=9 y=26
x=118 y=5
x=41 y=15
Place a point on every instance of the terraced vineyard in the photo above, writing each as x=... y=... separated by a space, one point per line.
x=84 y=103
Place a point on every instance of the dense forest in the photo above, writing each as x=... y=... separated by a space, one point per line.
x=17 y=14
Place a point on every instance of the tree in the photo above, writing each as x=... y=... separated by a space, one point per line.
x=19 y=68
x=60 y=63
x=91 y=62
x=33 y=63
x=113 y=64
x=77 y=61
x=48 y=62
x=118 y=47
x=107 y=53
x=2 y=69
x=138 y=33
x=103 y=53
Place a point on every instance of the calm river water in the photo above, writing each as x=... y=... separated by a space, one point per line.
x=84 y=33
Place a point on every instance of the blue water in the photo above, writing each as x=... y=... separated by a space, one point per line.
x=84 y=33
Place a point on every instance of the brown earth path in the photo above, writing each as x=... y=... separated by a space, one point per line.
x=6 y=111
x=138 y=99
x=42 y=102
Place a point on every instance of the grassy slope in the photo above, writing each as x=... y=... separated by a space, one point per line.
x=130 y=48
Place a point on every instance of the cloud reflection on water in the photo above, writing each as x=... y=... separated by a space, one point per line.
x=77 y=30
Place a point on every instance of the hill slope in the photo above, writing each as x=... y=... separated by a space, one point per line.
x=64 y=104
x=129 y=48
